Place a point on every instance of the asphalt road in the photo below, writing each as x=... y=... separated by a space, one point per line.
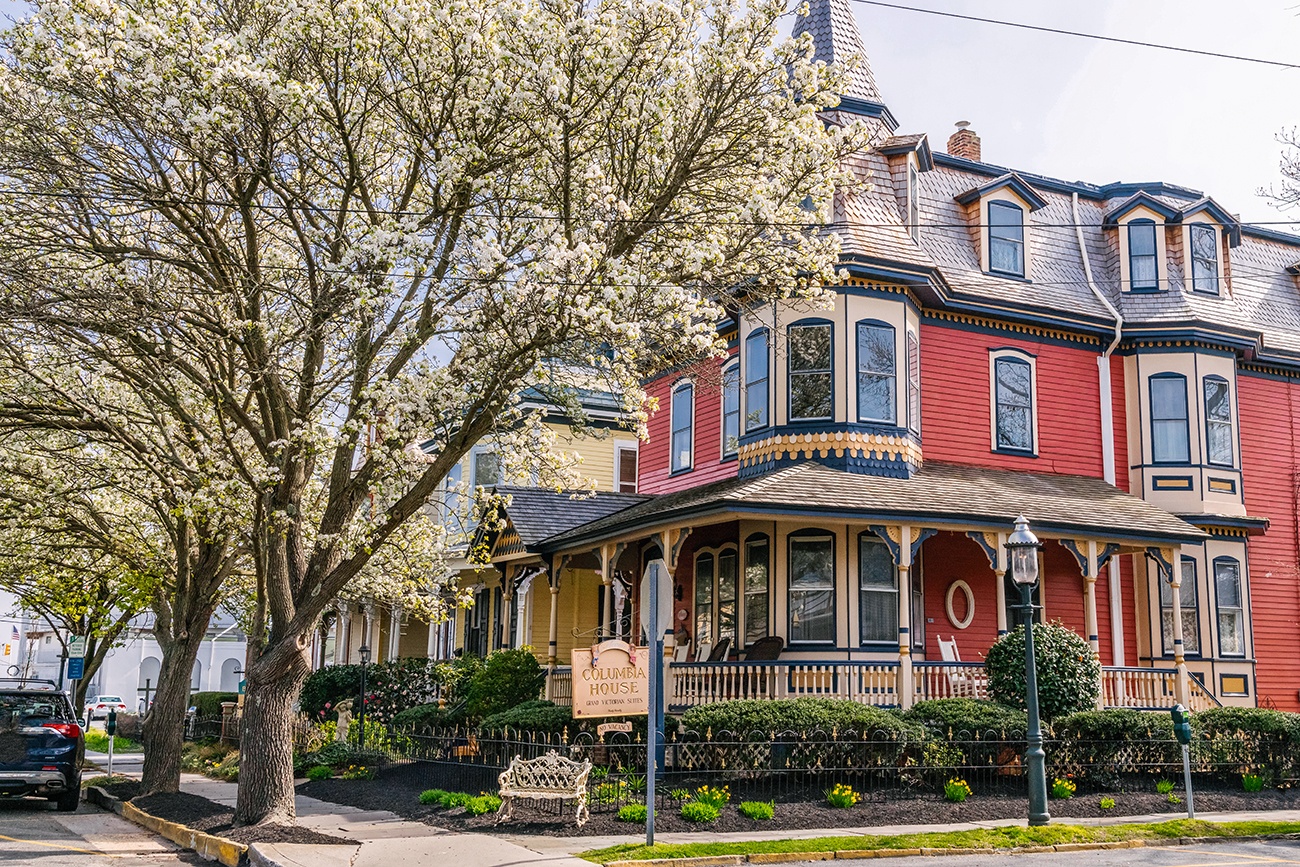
x=33 y=834
x=1279 y=852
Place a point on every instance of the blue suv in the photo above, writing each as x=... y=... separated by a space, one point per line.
x=41 y=745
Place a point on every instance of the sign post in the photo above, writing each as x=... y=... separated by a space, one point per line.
x=110 y=728
x=656 y=718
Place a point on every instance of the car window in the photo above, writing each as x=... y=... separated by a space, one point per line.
x=19 y=709
x=106 y=699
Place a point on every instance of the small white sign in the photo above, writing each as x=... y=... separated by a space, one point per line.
x=76 y=646
x=605 y=728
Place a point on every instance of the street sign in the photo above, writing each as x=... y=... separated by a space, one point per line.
x=241 y=686
x=76 y=646
x=76 y=667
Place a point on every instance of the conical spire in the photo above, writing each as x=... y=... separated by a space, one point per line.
x=837 y=40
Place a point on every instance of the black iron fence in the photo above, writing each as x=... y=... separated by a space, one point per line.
x=802 y=766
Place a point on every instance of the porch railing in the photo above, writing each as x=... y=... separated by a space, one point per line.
x=561 y=685
x=950 y=680
x=697 y=683
x=1150 y=689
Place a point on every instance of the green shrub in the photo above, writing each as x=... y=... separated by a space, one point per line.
x=1239 y=740
x=966 y=715
x=420 y=717
x=1252 y=782
x=842 y=796
x=484 y=803
x=759 y=811
x=1115 y=724
x=533 y=716
x=209 y=703
x=1069 y=675
x=1102 y=747
x=337 y=755
x=507 y=679
x=632 y=813
x=433 y=796
x=714 y=796
x=694 y=811
x=1256 y=720
x=775 y=716
x=956 y=790
x=320 y=772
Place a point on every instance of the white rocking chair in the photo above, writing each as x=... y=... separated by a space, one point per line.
x=961 y=683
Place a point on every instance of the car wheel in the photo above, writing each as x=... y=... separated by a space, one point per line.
x=67 y=802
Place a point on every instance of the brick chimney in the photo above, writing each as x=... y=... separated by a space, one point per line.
x=964 y=143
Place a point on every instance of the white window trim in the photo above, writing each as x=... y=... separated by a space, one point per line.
x=1162 y=252
x=672 y=426
x=633 y=446
x=1188 y=285
x=1005 y=195
x=473 y=466
x=913 y=190
x=1032 y=360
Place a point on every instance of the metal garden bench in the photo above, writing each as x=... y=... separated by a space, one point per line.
x=551 y=777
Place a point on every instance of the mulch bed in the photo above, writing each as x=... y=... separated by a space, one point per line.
x=397 y=789
x=123 y=790
x=203 y=815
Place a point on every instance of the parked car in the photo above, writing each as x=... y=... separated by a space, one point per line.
x=41 y=744
x=100 y=705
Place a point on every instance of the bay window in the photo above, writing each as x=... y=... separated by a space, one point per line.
x=811 y=594
x=1230 y=606
x=756 y=380
x=877 y=378
x=730 y=409
x=1188 y=614
x=756 y=583
x=1169 y=435
x=810 y=371
x=1218 y=422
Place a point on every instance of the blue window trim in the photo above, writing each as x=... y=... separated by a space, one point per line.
x=1192 y=229
x=989 y=223
x=1187 y=427
x=1244 y=608
x=857 y=369
x=726 y=452
x=789 y=391
x=1232 y=461
x=1200 y=651
x=1155 y=254
x=766 y=335
x=892 y=643
x=997 y=409
x=751 y=539
x=810 y=533
x=673 y=429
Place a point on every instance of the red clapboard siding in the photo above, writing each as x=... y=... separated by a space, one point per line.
x=653 y=467
x=1267 y=410
x=955 y=402
x=949 y=557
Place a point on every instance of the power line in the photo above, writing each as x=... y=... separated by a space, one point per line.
x=1077 y=33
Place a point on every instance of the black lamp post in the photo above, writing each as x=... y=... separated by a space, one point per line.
x=364 y=652
x=1022 y=549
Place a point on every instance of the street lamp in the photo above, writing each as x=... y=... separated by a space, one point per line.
x=364 y=651
x=1022 y=548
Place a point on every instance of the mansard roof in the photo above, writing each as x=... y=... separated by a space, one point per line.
x=1010 y=181
x=904 y=144
x=1140 y=199
x=836 y=39
x=938 y=494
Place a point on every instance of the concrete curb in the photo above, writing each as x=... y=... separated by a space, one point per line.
x=208 y=846
x=861 y=854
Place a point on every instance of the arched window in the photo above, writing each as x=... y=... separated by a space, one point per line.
x=877 y=592
x=756 y=380
x=1204 y=241
x=1007 y=239
x=1190 y=619
x=1169 y=435
x=683 y=427
x=716 y=596
x=757 y=572
x=809 y=371
x=1229 y=603
x=731 y=409
x=877 y=373
x=704 y=573
x=1143 y=272
x=811 y=592
x=1218 y=421
x=1013 y=403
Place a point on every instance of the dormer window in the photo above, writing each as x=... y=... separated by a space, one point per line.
x=810 y=374
x=1143 y=269
x=1007 y=239
x=1204 y=243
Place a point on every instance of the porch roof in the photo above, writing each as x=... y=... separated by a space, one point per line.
x=539 y=513
x=938 y=495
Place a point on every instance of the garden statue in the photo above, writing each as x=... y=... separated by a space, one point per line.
x=344 y=710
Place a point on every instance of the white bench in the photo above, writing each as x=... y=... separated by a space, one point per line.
x=551 y=777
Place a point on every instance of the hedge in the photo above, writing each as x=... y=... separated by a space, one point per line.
x=532 y=716
x=972 y=716
x=207 y=703
x=801 y=715
x=1069 y=675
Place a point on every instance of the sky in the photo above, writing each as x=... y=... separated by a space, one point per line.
x=1079 y=109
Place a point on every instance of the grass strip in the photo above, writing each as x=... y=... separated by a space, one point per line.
x=97 y=741
x=983 y=838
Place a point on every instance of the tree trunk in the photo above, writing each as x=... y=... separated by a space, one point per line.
x=164 y=730
x=266 y=757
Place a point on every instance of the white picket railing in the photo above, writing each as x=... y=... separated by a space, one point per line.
x=561 y=685
x=1150 y=688
x=697 y=683
x=950 y=680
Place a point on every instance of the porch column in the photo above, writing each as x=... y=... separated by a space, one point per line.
x=370 y=630
x=553 y=638
x=1000 y=583
x=431 y=643
x=1180 y=663
x=607 y=578
x=342 y=622
x=906 y=681
x=1090 y=609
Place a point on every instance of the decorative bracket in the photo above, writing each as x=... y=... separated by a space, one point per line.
x=1162 y=562
x=892 y=536
x=674 y=540
x=989 y=544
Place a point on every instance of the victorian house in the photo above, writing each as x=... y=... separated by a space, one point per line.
x=1118 y=362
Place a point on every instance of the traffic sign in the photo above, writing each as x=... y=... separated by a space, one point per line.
x=76 y=667
x=76 y=646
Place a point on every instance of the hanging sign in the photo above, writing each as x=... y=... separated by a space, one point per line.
x=611 y=679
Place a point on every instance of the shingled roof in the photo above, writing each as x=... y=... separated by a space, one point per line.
x=539 y=513
x=939 y=494
x=836 y=40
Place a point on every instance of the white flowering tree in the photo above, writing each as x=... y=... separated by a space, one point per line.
x=328 y=231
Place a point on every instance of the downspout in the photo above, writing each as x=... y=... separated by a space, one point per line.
x=1107 y=432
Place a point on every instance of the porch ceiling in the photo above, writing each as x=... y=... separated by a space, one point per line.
x=939 y=495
